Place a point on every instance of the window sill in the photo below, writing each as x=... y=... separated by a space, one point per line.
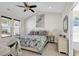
x=6 y=36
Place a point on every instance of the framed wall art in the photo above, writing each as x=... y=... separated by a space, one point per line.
x=40 y=21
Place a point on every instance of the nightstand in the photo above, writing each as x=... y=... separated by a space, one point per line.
x=51 y=38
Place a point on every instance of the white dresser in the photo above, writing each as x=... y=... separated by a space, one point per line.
x=63 y=44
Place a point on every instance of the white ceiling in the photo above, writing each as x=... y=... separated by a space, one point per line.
x=17 y=12
x=76 y=8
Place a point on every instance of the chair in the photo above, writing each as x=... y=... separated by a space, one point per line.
x=15 y=48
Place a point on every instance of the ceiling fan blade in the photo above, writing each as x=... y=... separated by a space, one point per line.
x=24 y=10
x=31 y=10
x=33 y=6
x=20 y=6
x=25 y=4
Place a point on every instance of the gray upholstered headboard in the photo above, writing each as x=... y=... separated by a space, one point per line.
x=40 y=32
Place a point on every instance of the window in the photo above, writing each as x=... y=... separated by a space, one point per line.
x=76 y=30
x=9 y=27
x=5 y=25
x=16 y=27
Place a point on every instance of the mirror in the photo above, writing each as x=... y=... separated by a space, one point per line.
x=65 y=24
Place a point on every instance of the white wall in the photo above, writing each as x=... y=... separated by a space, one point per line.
x=22 y=28
x=52 y=22
x=67 y=11
x=30 y=24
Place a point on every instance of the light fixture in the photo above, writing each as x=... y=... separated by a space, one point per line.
x=8 y=9
x=50 y=7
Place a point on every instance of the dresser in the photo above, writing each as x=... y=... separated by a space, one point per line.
x=63 y=44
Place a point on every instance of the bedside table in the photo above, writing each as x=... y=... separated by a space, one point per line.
x=51 y=38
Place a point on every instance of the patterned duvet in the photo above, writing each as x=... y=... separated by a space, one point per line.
x=34 y=41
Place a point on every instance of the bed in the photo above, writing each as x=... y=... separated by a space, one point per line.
x=34 y=42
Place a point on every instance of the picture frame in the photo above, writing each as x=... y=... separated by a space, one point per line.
x=40 y=21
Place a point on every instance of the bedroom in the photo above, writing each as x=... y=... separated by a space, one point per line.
x=39 y=31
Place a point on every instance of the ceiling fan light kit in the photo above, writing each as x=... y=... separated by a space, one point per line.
x=27 y=7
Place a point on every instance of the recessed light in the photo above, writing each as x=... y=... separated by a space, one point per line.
x=8 y=9
x=50 y=7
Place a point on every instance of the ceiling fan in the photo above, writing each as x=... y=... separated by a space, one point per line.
x=28 y=7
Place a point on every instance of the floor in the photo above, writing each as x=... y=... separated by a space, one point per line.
x=76 y=48
x=50 y=50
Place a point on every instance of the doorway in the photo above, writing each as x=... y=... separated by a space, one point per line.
x=75 y=30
